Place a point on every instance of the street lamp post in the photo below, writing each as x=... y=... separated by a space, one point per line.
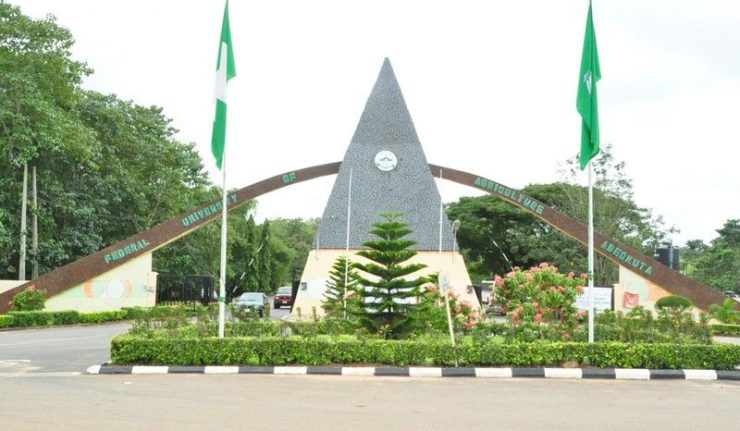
x=455 y=227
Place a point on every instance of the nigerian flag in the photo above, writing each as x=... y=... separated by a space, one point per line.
x=225 y=70
x=586 y=102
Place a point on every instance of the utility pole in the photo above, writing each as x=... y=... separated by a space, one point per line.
x=35 y=228
x=22 y=262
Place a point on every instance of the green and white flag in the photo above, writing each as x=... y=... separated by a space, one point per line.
x=587 y=103
x=225 y=70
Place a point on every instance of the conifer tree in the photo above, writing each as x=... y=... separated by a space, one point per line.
x=388 y=297
x=337 y=290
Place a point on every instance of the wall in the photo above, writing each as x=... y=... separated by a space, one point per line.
x=131 y=284
x=6 y=285
x=318 y=266
x=648 y=292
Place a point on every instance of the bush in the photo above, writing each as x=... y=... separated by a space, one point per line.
x=23 y=319
x=731 y=330
x=725 y=313
x=30 y=299
x=539 y=295
x=674 y=301
x=102 y=316
x=7 y=321
x=326 y=350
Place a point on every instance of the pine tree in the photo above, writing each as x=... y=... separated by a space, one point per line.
x=334 y=298
x=389 y=298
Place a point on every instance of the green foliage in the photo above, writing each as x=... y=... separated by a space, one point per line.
x=326 y=350
x=292 y=240
x=729 y=330
x=388 y=297
x=494 y=235
x=725 y=313
x=44 y=318
x=68 y=317
x=539 y=295
x=30 y=299
x=341 y=297
x=717 y=265
x=676 y=302
x=6 y=321
x=430 y=315
x=102 y=316
x=640 y=326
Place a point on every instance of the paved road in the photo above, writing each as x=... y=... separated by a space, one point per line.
x=254 y=402
x=62 y=349
x=42 y=388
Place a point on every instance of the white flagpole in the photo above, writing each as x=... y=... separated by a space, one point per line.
x=442 y=280
x=222 y=282
x=346 y=247
x=22 y=260
x=590 y=254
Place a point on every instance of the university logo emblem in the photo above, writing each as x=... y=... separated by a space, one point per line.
x=587 y=81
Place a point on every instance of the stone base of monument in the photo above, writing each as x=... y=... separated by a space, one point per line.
x=307 y=303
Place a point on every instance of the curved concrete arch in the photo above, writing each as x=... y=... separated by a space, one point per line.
x=78 y=272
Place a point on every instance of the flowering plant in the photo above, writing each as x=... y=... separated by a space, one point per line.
x=539 y=295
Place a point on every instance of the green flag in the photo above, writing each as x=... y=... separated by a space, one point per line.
x=225 y=70
x=587 y=103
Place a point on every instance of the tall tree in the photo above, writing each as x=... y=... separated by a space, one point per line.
x=718 y=265
x=388 y=296
x=492 y=228
x=39 y=85
x=294 y=238
x=341 y=298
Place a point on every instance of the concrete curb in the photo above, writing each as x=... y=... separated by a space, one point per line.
x=547 y=373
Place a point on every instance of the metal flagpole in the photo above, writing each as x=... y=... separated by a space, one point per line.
x=442 y=280
x=22 y=260
x=222 y=282
x=35 y=230
x=590 y=254
x=346 y=247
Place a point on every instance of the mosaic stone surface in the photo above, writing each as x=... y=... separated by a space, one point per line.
x=407 y=188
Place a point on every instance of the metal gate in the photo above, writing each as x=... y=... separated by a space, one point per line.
x=185 y=289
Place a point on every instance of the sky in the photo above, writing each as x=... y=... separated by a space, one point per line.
x=490 y=85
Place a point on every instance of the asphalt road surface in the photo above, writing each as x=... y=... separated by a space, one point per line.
x=255 y=402
x=43 y=387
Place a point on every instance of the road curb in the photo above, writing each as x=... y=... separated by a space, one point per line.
x=437 y=372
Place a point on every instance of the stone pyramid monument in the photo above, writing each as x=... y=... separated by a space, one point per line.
x=389 y=174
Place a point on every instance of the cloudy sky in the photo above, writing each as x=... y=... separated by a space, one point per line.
x=490 y=85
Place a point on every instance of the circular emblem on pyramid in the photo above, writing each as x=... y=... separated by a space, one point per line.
x=385 y=160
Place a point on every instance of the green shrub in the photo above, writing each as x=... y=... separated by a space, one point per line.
x=725 y=313
x=674 y=301
x=7 y=321
x=67 y=317
x=324 y=350
x=102 y=316
x=731 y=330
x=23 y=319
x=30 y=299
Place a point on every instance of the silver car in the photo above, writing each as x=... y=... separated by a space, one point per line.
x=255 y=301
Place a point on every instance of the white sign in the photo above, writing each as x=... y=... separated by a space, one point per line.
x=602 y=299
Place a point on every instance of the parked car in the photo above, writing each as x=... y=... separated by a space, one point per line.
x=255 y=301
x=283 y=296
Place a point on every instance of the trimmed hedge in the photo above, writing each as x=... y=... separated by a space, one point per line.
x=26 y=319
x=725 y=329
x=326 y=350
x=6 y=321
